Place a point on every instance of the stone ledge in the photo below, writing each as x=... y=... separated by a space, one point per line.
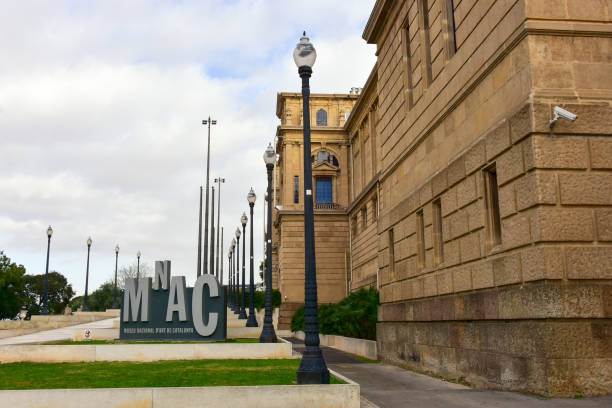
x=533 y=300
x=143 y=352
x=272 y=396
x=359 y=347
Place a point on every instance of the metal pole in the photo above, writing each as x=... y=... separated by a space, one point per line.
x=221 y=271
x=208 y=122
x=212 y=234
x=199 y=270
x=252 y=321
x=218 y=256
x=230 y=289
x=267 y=334
x=45 y=307
x=115 y=291
x=243 y=315
x=85 y=308
x=313 y=369
x=237 y=286
x=138 y=269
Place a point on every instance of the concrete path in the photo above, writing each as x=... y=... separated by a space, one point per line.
x=61 y=334
x=388 y=386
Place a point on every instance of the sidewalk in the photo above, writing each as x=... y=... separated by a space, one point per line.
x=64 y=333
x=388 y=386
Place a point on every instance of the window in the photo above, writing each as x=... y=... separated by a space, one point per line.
x=407 y=64
x=437 y=233
x=420 y=239
x=296 y=189
x=354 y=225
x=448 y=24
x=324 y=190
x=425 y=44
x=335 y=161
x=492 y=208
x=321 y=117
x=391 y=244
x=374 y=209
x=322 y=157
x=364 y=216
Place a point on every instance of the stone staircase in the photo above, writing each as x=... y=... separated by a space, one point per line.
x=287 y=310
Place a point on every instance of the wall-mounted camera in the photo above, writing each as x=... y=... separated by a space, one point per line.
x=559 y=112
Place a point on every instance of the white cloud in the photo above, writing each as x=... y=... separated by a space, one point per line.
x=100 y=119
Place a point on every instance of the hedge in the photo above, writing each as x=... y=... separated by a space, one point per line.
x=355 y=316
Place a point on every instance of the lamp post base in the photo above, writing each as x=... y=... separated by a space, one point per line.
x=242 y=315
x=251 y=321
x=312 y=368
x=267 y=334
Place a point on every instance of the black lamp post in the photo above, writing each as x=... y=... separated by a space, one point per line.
x=231 y=274
x=211 y=268
x=45 y=306
x=138 y=265
x=244 y=219
x=229 y=280
x=87 y=275
x=234 y=262
x=267 y=334
x=115 y=290
x=235 y=271
x=312 y=368
x=252 y=321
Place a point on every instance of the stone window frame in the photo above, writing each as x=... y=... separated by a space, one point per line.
x=420 y=239
x=437 y=232
x=492 y=211
x=321 y=117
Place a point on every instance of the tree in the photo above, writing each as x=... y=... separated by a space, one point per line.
x=59 y=293
x=131 y=271
x=11 y=287
x=102 y=298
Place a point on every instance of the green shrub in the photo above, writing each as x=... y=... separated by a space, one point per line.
x=355 y=316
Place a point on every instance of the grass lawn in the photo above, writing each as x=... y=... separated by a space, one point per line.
x=90 y=342
x=181 y=373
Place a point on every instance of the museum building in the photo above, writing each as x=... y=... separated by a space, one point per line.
x=450 y=185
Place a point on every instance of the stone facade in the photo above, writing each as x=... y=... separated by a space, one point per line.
x=487 y=231
x=495 y=262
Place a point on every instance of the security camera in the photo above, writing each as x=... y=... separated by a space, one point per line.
x=559 y=112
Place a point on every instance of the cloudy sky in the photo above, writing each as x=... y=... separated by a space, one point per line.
x=101 y=104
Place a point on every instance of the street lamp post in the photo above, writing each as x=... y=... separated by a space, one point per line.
x=313 y=369
x=219 y=181
x=87 y=275
x=233 y=275
x=252 y=321
x=267 y=334
x=238 y=306
x=138 y=265
x=229 y=283
x=208 y=122
x=244 y=221
x=115 y=290
x=45 y=306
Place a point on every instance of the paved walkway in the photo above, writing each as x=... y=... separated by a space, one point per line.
x=61 y=334
x=388 y=386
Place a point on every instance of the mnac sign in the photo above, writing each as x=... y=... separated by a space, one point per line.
x=163 y=308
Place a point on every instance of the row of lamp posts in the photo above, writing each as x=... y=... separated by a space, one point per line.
x=45 y=302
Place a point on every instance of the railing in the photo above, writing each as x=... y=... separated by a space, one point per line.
x=326 y=206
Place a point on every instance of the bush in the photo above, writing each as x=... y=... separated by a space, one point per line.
x=355 y=316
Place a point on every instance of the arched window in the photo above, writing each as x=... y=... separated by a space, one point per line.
x=321 y=117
